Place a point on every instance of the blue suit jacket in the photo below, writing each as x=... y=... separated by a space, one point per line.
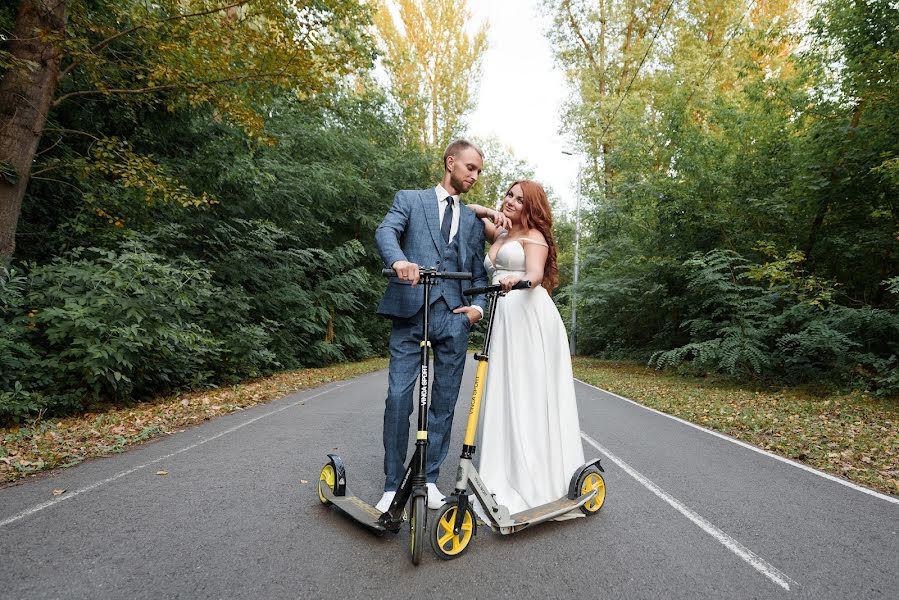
x=411 y=231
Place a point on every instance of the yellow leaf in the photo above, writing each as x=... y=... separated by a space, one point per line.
x=162 y=472
x=58 y=492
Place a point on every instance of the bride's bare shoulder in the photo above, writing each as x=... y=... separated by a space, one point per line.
x=533 y=235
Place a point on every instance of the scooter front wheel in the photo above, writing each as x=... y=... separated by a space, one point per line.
x=589 y=480
x=329 y=476
x=418 y=525
x=445 y=543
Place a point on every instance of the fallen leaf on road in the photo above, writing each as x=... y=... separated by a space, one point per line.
x=58 y=492
x=162 y=472
x=303 y=481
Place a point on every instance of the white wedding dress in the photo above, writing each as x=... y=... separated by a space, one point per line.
x=530 y=442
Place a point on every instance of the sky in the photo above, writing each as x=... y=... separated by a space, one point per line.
x=522 y=92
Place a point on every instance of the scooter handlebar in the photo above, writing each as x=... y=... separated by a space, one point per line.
x=521 y=285
x=433 y=273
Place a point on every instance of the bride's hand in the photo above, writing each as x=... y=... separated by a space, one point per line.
x=508 y=282
x=501 y=220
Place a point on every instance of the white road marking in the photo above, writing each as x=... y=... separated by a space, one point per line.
x=757 y=562
x=754 y=448
x=93 y=486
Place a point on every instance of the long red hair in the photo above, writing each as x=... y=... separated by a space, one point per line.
x=538 y=215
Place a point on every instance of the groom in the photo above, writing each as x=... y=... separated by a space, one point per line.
x=430 y=228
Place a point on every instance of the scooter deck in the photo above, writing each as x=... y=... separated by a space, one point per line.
x=356 y=508
x=544 y=512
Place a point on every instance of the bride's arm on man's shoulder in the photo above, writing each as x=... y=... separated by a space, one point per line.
x=488 y=216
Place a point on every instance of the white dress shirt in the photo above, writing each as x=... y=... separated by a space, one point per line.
x=441 y=208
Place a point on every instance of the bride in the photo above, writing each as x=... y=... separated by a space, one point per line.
x=530 y=434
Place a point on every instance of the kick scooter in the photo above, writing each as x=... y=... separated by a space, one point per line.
x=332 y=489
x=455 y=523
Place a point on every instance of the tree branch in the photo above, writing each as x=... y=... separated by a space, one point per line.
x=160 y=88
x=577 y=31
x=76 y=131
x=121 y=34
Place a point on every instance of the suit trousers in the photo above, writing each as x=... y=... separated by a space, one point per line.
x=449 y=344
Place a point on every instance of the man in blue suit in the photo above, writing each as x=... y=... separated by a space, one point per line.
x=430 y=228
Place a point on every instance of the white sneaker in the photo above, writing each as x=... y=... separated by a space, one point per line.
x=436 y=498
x=385 y=501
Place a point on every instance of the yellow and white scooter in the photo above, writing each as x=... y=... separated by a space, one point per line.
x=455 y=523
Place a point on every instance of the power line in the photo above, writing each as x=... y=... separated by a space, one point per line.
x=714 y=62
x=720 y=52
x=636 y=73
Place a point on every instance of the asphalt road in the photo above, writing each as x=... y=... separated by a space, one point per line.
x=689 y=514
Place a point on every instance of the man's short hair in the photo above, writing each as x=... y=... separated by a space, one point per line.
x=458 y=146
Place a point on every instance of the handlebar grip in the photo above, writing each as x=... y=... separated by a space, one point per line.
x=521 y=285
x=388 y=272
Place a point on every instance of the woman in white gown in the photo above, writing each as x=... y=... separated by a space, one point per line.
x=530 y=442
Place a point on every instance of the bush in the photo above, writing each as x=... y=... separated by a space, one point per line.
x=731 y=330
x=304 y=302
x=18 y=360
x=116 y=323
x=742 y=328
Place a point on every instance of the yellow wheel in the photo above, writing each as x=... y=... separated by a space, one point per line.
x=592 y=480
x=418 y=524
x=446 y=544
x=330 y=478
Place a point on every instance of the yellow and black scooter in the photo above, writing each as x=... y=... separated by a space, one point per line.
x=332 y=488
x=455 y=523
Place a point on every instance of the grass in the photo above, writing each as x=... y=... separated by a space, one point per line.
x=47 y=444
x=854 y=435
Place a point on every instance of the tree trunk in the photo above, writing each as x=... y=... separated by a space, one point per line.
x=26 y=91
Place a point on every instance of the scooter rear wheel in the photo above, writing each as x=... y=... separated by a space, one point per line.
x=330 y=478
x=589 y=480
x=444 y=542
x=418 y=525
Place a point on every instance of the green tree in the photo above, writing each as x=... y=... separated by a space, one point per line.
x=434 y=65
x=746 y=143
x=232 y=56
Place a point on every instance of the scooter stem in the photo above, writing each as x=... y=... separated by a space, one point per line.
x=478 y=393
x=476 y=396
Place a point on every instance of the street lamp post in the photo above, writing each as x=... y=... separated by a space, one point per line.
x=572 y=336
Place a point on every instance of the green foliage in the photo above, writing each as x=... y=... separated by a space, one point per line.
x=234 y=56
x=280 y=273
x=18 y=359
x=117 y=323
x=741 y=328
x=302 y=301
x=731 y=322
x=622 y=302
x=741 y=126
x=787 y=272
